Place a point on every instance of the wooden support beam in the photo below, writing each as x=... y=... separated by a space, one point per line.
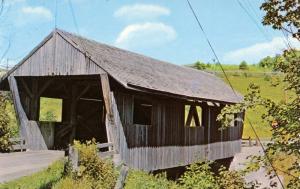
x=34 y=101
x=45 y=86
x=73 y=112
x=121 y=180
x=85 y=90
x=196 y=116
x=108 y=107
x=192 y=114
x=27 y=90
x=106 y=93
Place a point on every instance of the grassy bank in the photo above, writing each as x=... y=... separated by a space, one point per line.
x=43 y=180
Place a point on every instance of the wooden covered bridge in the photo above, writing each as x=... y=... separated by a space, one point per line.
x=156 y=114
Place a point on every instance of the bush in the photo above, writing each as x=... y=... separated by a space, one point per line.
x=70 y=183
x=267 y=77
x=5 y=131
x=92 y=172
x=143 y=180
x=199 y=65
x=243 y=65
x=230 y=179
x=199 y=175
x=44 y=179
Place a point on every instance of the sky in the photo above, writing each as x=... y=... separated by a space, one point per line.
x=162 y=29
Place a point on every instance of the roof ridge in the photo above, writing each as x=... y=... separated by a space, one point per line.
x=134 y=53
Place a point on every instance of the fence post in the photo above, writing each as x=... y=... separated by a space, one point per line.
x=73 y=157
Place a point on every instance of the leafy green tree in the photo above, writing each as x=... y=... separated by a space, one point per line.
x=5 y=132
x=243 y=65
x=267 y=62
x=284 y=117
x=283 y=15
x=199 y=65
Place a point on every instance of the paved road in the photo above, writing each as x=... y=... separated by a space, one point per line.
x=18 y=164
x=241 y=158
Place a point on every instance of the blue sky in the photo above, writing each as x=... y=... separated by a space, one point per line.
x=162 y=29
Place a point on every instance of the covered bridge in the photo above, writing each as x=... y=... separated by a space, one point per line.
x=156 y=114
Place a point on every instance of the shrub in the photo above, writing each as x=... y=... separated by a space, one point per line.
x=70 y=183
x=199 y=175
x=230 y=179
x=92 y=172
x=267 y=77
x=5 y=131
x=243 y=65
x=143 y=180
x=199 y=65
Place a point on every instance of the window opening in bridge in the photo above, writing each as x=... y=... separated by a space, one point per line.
x=142 y=112
x=50 y=109
x=193 y=116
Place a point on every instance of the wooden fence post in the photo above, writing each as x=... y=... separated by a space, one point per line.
x=121 y=180
x=73 y=157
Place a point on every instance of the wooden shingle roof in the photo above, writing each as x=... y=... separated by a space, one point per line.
x=133 y=70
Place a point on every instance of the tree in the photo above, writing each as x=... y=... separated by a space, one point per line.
x=5 y=132
x=283 y=15
x=267 y=62
x=199 y=65
x=284 y=117
x=243 y=65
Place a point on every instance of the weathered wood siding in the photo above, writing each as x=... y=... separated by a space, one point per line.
x=57 y=57
x=150 y=147
x=29 y=129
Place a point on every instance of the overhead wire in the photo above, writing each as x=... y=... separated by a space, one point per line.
x=73 y=16
x=209 y=43
x=264 y=32
x=219 y=63
x=55 y=17
x=253 y=20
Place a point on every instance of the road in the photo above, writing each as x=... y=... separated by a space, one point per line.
x=18 y=164
x=239 y=161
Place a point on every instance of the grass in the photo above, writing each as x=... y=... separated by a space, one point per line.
x=50 y=109
x=41 y=180
x=268 y=90
x=282 y=162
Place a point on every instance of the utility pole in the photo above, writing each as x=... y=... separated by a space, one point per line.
x=7 y=64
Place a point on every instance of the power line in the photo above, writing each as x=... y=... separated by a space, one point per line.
x=210 y=45
x=264 y=32
x=201 y=27
x=55 y=20
x=73 y=16
x=253 y=20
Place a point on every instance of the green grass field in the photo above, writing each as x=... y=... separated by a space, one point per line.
x=275 y=93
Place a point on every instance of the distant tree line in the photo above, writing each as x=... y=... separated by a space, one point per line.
x=266 y=63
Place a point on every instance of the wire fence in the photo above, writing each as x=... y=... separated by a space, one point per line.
x=245 y=73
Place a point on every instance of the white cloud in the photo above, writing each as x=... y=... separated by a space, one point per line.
x=256 y=52
x=38 y=11
x=145 y=34
x=141 y=11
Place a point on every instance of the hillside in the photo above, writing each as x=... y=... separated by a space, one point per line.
x=268 y=90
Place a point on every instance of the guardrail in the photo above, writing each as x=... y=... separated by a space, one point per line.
x=74 y=155
x=19 y=144
x=247 y=142
x=109 y=153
